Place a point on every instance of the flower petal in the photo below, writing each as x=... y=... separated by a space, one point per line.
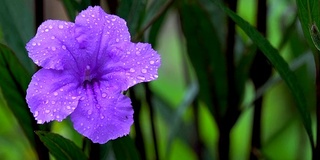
x=96 y=30
x=53 y=45
x=52 y=95
x=132 y=63
x=103 y=114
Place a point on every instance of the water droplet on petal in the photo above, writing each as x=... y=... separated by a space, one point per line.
x=53 y=48
x=53 y=37
x=141 y=78
x=89 y=112
x=101 y=116
x=104 y=95
x=55 y=93
x=73 y=97
x=39 y=121
x=155 y=76
x=57 y=116
x=132 y=70
x=46 y=30
x=113 y=19
x=36 y=113
x=47 y=111
x=61 y=26
x=151 y=62
x=50 y=26
x=92 y=15
x=63 y=47
x=81 y=124
x=68 y=107
x=34 y=43
x=117 y=40
x=144 y=71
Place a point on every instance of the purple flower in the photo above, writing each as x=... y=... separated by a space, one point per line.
x=86 y=66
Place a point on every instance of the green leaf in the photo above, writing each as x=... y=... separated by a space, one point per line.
x=132 y=11
x=205 y=54
x=124 y=148
x=278 y=63
x=17 y=25
x=60 y=147
x=308 y=12
x=14 y=82
x=175 y=124
x=71 y=6
x=155 y=8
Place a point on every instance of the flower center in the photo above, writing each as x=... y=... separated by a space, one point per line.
x=88 y=76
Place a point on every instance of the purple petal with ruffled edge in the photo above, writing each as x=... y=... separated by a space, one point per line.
x=139 y=62
x=96 y=31
x=103 y=115
x=54 y=45
x=52 y=95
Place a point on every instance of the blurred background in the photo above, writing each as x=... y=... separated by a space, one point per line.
x=213 y=84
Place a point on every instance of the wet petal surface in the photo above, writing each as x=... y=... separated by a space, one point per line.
x=54 y=46
x=102 y=115
x=52 y=95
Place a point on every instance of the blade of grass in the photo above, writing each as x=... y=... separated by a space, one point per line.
x=278 y=63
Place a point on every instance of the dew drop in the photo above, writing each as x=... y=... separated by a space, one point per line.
x=144 y=71
x=39 y=121
x=128 y=52
x=141 y=78
x=57 y=116
x=61 y=89
x=61 y=26
x=104 y=95
x=46 y=30
x=101 y=116
x=151 y=62
x=34 y=43
x=88 y=67
x=53 y=48
x=46 y=102
x=63 y=47
x=117 y=40
x=50 y=26
x=53 y=37
x=68 y=107
x=47 y=111
x=132 y=70
x=113 y=19
x=81 y=124
x=38 y=44
x=55 y=93
x=73 y=97
x=92 y=15
x=138 y=52
x=155 y=76
x=89 y=112
x=36 y=113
